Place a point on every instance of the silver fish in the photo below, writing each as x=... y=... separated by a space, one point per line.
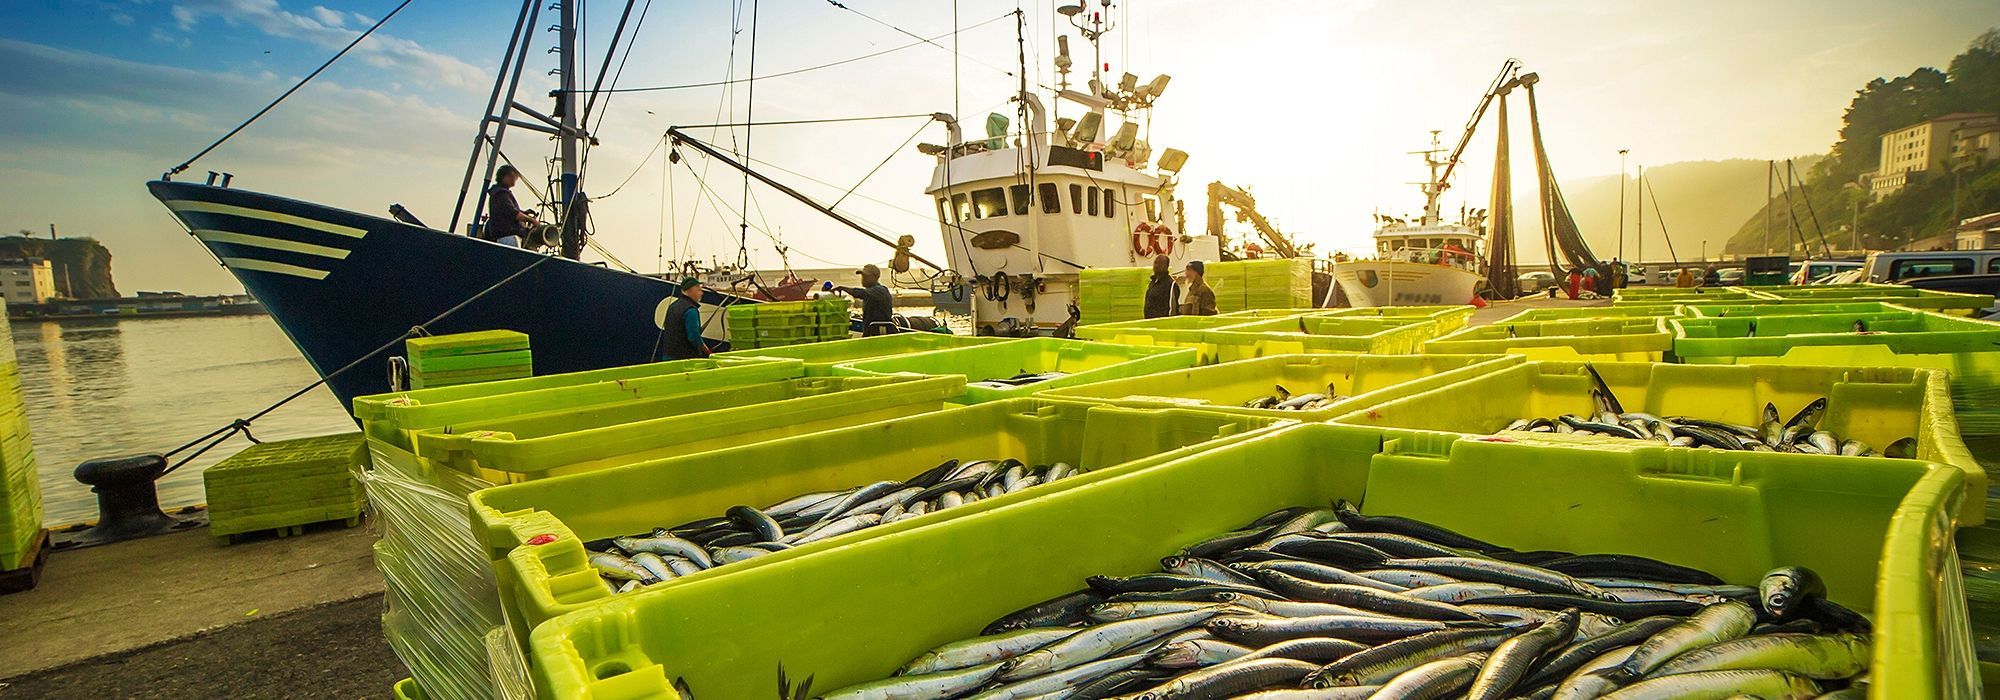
x=983 y=650
x=1097 y=642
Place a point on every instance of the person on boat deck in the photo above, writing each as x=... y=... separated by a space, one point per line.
x=680 y=334
x=1199 y=300
x=505 y=222
x=1163 y=297
x=878 y=304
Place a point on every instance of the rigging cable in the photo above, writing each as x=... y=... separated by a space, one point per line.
x=878 y=166
x=288 y=93
x=1654 y=194
x=808 y=69
x=954 y=35
x=749 y=115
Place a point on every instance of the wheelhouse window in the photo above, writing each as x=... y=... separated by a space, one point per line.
x=1091 y=205
x=1110 y=201
x=964 y=206
x=989 y=203
x=1152 y=208
x=1021 y=197
x=944 y=210
x=1051 y=201
x=1076 y=199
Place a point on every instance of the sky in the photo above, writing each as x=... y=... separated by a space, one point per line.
x=1312 y=104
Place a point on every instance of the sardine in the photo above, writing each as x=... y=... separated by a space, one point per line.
x=666 y=546
x=1511 y=661
x=1713 y=624
x=944 y=684
x=1534 y=578
x=755 y=522
x=1437 y=679
x=1824 y=657
x=1379 y=664
x=1265 y=630
x=1765 y=685
x=983 y=650
x=1097 y=642
x=615 y=566
x=1362 y=597
x=1230 y=679
x=1785 y=591
x=1062 y=610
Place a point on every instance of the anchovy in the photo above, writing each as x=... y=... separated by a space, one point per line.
x=1307 y=521
x=1321 y=650
x=836 y=528
x=933 y=475
x=939 y=489
x=797 y=504
x=665 y=545
x=1600 y=427
x=1602 y=606
x=1379 y=664
x=1324 y=549
x=1462 y=592
x=1043 y=685
x=1905 y=448
x=1205 y=569
x=1058 y=472
x=1315 y=571
x=681 y=566
x=1767 y=685
x=1286 y=608
x=1809 y=416
x=1196 y=653
x=1097 y=642
x=1362 y=597
x=1713 y=624
x=1824 y=657
x=1437 y=679
x=1404 y=579
x=983 y=650
x=1510 y=662
x=1784 y=591
x=755 y=522
x=1590 y=680
x=1065 y=609
x=1401 y=545
x=1226 y=542
x=1354 y=693
x=1406 y=526
x=1360 y=628
x=614 y=566
x=1575 y=655
x=1533 y=578
x=946 y=684
x=1154 y=583
x=1118 y=683
x=860 y=496
x=654 y=565
x=1630 y=566
x=731 y=555
x=1230 y=679
x=1126 y=610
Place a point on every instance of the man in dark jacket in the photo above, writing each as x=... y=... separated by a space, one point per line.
x=680 y=332
x=878 y=304
x=505 y=222
x=1162 y=296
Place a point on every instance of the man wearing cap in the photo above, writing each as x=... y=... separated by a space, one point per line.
x=505 y=222
x=877 y=302
x=680 y=332
x=1200 y=299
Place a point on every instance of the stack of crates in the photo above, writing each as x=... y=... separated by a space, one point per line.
x=1279 y=283
x=285 y=486
x=1111 y=294
x=20 y=489
x=1230 y=283
x=467 y=358
x=778 y=323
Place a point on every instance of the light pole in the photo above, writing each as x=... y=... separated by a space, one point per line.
x=1621 y=202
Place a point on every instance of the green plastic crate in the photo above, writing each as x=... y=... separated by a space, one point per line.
x=554 y=443
x=1083 y=361
x=1916 y=339
x=1954 y=303
x=1568 y=313
x=820 y=357
x=465 y=343
x=1321 y=334
x=1874 y=529
x=1258 y=314
x=1167 y=331
x=1364 y=379
x=1634 y=339
x=392 y=417
x=1790 y=307
x=1677 y=295
x=1876 y=405
x=1449 y=317
x=543 y=581
x=284 y=483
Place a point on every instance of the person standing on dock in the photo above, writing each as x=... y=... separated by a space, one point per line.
x=680 y=332
x=1163 y=297
x=878 y=304
x=505 y=222
x=1200 y=299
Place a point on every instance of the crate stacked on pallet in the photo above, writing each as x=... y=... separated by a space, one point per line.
x=23 y=542
x=282 y=487
x=1281 y=283
x=1110 y=294
x=773 y=324
x=466 y=358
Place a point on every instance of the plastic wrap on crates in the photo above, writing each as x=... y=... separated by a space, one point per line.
x=442 y=593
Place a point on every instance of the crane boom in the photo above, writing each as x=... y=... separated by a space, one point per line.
x=1246 y=207
x=1493 y=90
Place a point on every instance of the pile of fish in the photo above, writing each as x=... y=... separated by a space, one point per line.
x=1800 y=434
x=1023 y=378
x=1331 y=603
x=1284 y=400
x=744 y=532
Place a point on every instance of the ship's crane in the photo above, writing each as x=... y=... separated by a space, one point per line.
x=1246 y=210
x=1500 y=85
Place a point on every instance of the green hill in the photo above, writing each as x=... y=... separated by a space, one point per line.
x=1971 y=83
x=82 y=266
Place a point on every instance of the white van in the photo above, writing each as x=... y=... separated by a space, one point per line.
x=1899 y=266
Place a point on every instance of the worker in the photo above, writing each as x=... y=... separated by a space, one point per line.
x=1200 y=300
x=1163 y=297
x=1573 y=283
x=1685 y=280
x=680 y=332
x=878 y=304
x=505 y=222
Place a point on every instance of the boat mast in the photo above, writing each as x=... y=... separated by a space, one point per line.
x=567 y=135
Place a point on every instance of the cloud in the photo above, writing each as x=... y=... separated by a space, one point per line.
x=161 y=35
x=325 y=28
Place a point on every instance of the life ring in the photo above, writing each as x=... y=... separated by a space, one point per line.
x=1149 y=240
x=1163 y=243
x=1140 y=246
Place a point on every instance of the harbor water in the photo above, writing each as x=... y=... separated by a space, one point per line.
x=98 y=388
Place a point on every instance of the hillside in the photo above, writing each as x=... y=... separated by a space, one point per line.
x=82 y=266
x=1971 y=83
x=1698 y=201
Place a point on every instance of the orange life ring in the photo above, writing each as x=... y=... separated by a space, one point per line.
x=1163 y=241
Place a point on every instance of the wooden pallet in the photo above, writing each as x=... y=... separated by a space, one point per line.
x=29 y=576
x=292 y=530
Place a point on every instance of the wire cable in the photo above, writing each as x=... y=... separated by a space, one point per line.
x=808 y=69
x=288 y=93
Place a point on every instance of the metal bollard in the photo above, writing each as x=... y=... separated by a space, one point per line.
x=128 y=506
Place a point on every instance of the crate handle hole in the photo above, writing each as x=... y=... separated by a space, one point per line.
x=611 y=669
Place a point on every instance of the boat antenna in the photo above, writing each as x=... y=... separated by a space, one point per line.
x=178 y=169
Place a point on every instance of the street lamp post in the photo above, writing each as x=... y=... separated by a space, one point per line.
x=1621 y=203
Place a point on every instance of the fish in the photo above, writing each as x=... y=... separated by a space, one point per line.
x=984 y=649
x=618 y=567
x=1266 y=630
x=1353 y=517
x=1765 y=685
x=1534 y=578
x=1043 y=685
x=1362 y=597
x=1569 y=658
x=1511 y=661
x=1904 y=448
x=1063 y=610
x=1784 y=591
x=1627 y=565
x=1196 y=653
x=1821 y=657
x=756 y=522
x=1230 y=679
x=665 y=545
x=1099 y=641
x=1437 y=679
x=654 y=565
x=1716 y=623
x=1379 y=664
x=1315 y=571
x=944 y=684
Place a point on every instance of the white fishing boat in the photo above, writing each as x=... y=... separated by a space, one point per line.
x=1427 y=261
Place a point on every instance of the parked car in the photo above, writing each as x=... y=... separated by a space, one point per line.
x=1903 y=265
x=1536 y=282
x=1635 y=274
x=1729 y=276
x=1810 y=271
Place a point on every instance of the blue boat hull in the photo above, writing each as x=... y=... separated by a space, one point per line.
x=342 y=284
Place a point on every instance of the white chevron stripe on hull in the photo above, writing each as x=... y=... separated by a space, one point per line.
x=181 y=205
x=277 y=267
x=214 y=236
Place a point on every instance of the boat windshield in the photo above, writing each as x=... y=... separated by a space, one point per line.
x=1447 y=257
